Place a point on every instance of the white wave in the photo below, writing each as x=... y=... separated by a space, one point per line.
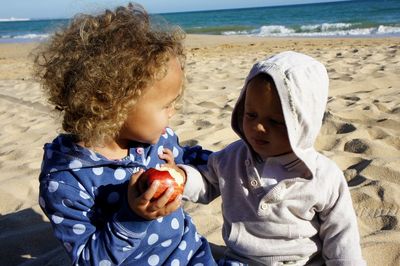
x=26 y=36
x=235 y=32
x=13 y=19
x=263 y=31
x=387 y=30
x=326 y=29
x=275 y=29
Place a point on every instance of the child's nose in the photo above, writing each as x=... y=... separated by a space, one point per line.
x=261 y=128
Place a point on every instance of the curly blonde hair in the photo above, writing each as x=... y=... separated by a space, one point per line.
x=95 y=69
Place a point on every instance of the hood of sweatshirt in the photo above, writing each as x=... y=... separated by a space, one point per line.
x=302 y=84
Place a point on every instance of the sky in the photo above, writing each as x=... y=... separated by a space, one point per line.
x=67 y=8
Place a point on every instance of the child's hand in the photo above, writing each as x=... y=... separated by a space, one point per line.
x=168 y=156
x=139 y=199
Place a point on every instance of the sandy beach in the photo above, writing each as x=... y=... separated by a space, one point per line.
x=361 y=133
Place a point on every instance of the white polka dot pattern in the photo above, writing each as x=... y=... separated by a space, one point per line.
x=105 y=263
x=86 y=255
x=57 y=218
x=160 y=150
x=153 y=238
x=79 y=229
x=84 y=195
x=175 y=224
x=175 y=262
x=182 y=245
x=125 y=249
x=153 y=260
x=120 y=174
x=166 y=243
x=190 y=255
x=80 y=249
x=175 y=152
x=201 y=254
x=94 y=156
x=139 y=255
x=75 y=165
x=98 y=170
x=53 y=186
x=52 y=170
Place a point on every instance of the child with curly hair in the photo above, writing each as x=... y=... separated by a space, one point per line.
x=115 y=77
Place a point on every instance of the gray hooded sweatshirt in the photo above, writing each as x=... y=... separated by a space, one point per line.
x=306 y=216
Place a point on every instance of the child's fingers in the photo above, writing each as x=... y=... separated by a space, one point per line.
x=167 y=155
x=135 y=177
x=161 y=201
x=175 y=204
x=168 y=152
x=171 y=207
x=149 y=193
x=165 y=210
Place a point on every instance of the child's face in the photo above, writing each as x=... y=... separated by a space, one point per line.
x=151 y=113
x=264 y=124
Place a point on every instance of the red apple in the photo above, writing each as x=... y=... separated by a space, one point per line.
x=167 y=177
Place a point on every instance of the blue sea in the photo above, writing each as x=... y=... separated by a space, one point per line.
x=370 y=18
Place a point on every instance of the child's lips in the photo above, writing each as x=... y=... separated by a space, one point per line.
x=260 y=141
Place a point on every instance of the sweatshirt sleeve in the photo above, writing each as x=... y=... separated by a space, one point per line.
x=339 y=230
x=76 y=224
x=202 y=184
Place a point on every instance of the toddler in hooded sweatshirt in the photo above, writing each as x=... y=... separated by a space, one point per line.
x=283 y=202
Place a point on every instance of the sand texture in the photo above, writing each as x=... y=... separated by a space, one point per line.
x=361 y=132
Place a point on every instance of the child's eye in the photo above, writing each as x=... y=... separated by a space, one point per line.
x=276 y=122
x=250 y=115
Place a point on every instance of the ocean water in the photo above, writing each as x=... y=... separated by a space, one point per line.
x=336 y=19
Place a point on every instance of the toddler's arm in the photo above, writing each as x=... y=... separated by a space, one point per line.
x=339 y=230
x=201 y=179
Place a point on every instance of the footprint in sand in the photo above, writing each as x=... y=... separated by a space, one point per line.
x=208 y=105
x=176 y=123
x=356 y=146
x=346 y=128
x=346 y=77
x=373 y=208
x=202 y=124
x=378 y=133
x=189 y=142
x=352 y=98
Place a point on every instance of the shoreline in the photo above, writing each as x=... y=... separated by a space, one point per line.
x=230 y=38
x=21 y=49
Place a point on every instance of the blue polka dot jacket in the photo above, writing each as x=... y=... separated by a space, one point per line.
x=84 y=196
